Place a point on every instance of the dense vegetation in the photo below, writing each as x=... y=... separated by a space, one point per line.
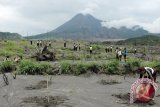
x=42 y=68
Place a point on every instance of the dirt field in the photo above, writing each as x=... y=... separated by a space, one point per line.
x=69 y=91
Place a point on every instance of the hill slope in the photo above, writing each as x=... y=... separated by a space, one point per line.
x=8 y=35
x=144 y=40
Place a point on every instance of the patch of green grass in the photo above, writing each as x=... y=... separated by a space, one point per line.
x=7 y=66
x=11 y=48
x=94 y=67
x=33 y=68
x=112 y=67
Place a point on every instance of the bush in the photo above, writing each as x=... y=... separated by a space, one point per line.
x=132 y=65
x=112 y=67
x=66 y=68
x=76 y=69
x=157 y=66
x=32 y=68
x=7 y=66
x=79 y=68
x=96 y=46
x=94 y=67
x=150 y=64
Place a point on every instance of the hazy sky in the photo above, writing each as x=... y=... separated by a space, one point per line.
x=39 y=16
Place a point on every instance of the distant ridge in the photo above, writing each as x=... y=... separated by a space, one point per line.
x=88 y=27
x=8 y=35
x=143 y=40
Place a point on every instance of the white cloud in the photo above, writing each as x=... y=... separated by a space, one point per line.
x=90 y=8
x=39 y=16
x=129 y=23
x=153 y=27
x=6 y=12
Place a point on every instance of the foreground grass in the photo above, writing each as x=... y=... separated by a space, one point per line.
x=32 y=67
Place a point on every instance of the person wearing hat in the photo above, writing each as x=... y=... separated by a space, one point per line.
x=147 y=72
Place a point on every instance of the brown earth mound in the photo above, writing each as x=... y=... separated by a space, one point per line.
x=39 y=101
x=39 y=85
x=108 y=82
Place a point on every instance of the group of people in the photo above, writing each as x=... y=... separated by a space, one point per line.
x=108 y=49
x=76 y=47
x=120 y=53
x=41 y=43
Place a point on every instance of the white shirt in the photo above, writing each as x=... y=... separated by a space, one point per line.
x=119 y=52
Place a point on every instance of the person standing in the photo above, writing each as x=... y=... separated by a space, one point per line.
x=38 y=43
x=111 y=49
x=135 y=51
x=65 y=44
x=90 y=48
x=79 y=47
x=119 y=54
x=49 y=43
x=125 y=54
x=74 y=47
x=106 y=50
x=116 y=53
x=31 y=42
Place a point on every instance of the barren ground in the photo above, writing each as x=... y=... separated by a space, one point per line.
x=69 y=91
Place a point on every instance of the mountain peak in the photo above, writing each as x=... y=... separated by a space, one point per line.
x=80 y=23
x=84 y=17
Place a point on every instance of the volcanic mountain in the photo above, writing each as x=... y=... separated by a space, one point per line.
x=88 y=27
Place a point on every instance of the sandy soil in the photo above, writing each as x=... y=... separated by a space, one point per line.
x=69 y=91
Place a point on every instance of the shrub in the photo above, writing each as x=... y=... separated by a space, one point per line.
x=112 y=67
x=132 y=65
x=44 y=68
x=66 y=68
x=94 y=67
x=150 y=64
x=96 y=46
x=157 y=67
x=32 y=67
x=80 y=68
x=7 y=66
